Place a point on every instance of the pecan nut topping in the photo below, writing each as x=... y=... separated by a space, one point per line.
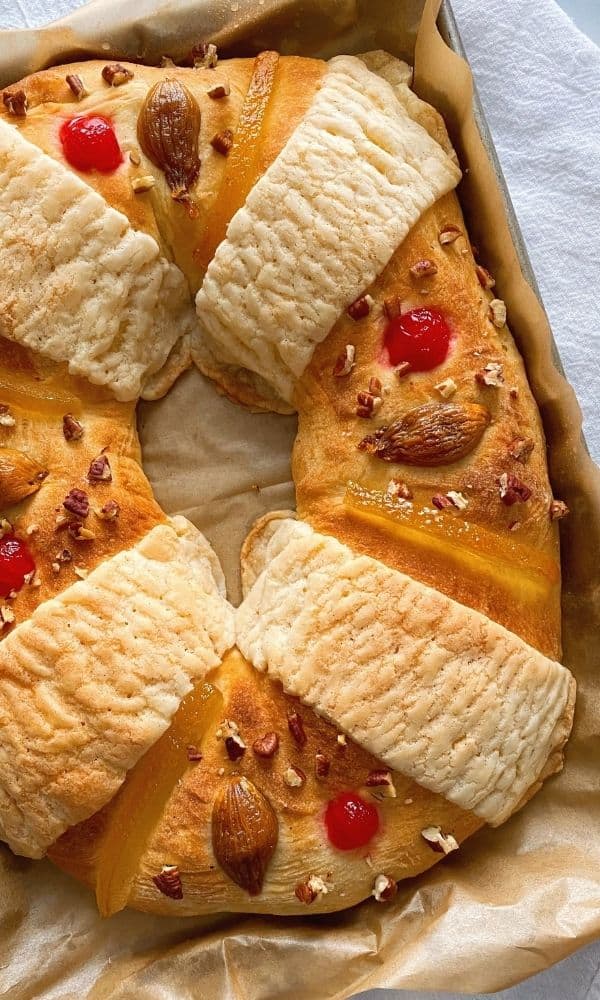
x=296 y=728
x=77 y=502
x=345 y=361
x=205 y=55
x=15 y=102
x=169 y=882
x=222 y=141
x=72 y=428
x=76 y=86
x=100 y=470
x=266 y=746
x=116 y=75
x=360 y=308
x=512 y=489
x=322 y=765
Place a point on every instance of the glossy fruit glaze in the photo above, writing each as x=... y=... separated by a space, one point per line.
x=350 y=821
x=16 y=562
x=89 y=142
x=420 y=337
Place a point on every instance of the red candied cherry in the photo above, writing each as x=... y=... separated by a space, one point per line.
x=16 y=562
x=89 y=142
x=350 y=821
x=420 y=337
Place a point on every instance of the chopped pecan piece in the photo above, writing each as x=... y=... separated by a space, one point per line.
x=381 y=780
x=392 y=306
x=491 y=375
x=361 y=307
x=402 y=369
x=140 y=185
x=116 y=75
x=484 y=277
x=72 y=429
x=234 y=745
x=441 y=501
x=449 y=234
x=6 y=417
x=109 y=512
x=193 y=754
x=457 y=499
x=222 y=141
x=219 y=91
x=367 y=404
x=345 y=361
x=447 y=388
x=77 y=502
x=205 y=55
x=443 y=843
x=296 y=727
x=520 y=449
x=7 y=616
x=15 y=102
x=76 y=86
x=423 y=269
x=322 y=765
x=398 y=488
x=498 y=313
x=308 y=891
x=294 y=777
x=558 y=509
x=267 y=745
x=79 y=532
x=169 y=882
x=100 y=470
x=512 y=489
x=384 y=888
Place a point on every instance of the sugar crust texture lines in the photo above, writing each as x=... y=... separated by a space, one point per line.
x=320 y=225
x=431 y=687
x=85 y=689
x=77 y=282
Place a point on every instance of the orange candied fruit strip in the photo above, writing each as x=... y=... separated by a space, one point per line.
x=243 y=163
x=139 y=805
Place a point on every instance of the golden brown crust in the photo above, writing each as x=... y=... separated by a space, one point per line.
x=39 y=396
x=182 y=234
x=478 y=556
x=183 y=835
x=512 y=575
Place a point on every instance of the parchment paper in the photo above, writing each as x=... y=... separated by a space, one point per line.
x=514 y=900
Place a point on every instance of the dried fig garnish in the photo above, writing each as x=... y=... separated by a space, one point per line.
x=20 y=476
x=244 y=833
x=431 y=434
x=168 y=129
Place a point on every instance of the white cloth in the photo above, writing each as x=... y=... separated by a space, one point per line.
x=538 y=78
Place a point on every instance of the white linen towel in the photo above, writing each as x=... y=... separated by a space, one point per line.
x=538 y=78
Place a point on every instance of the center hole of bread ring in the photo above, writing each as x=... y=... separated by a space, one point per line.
x=420 y=337
x=89 y=142
x=16 y=562
x=350 y=821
